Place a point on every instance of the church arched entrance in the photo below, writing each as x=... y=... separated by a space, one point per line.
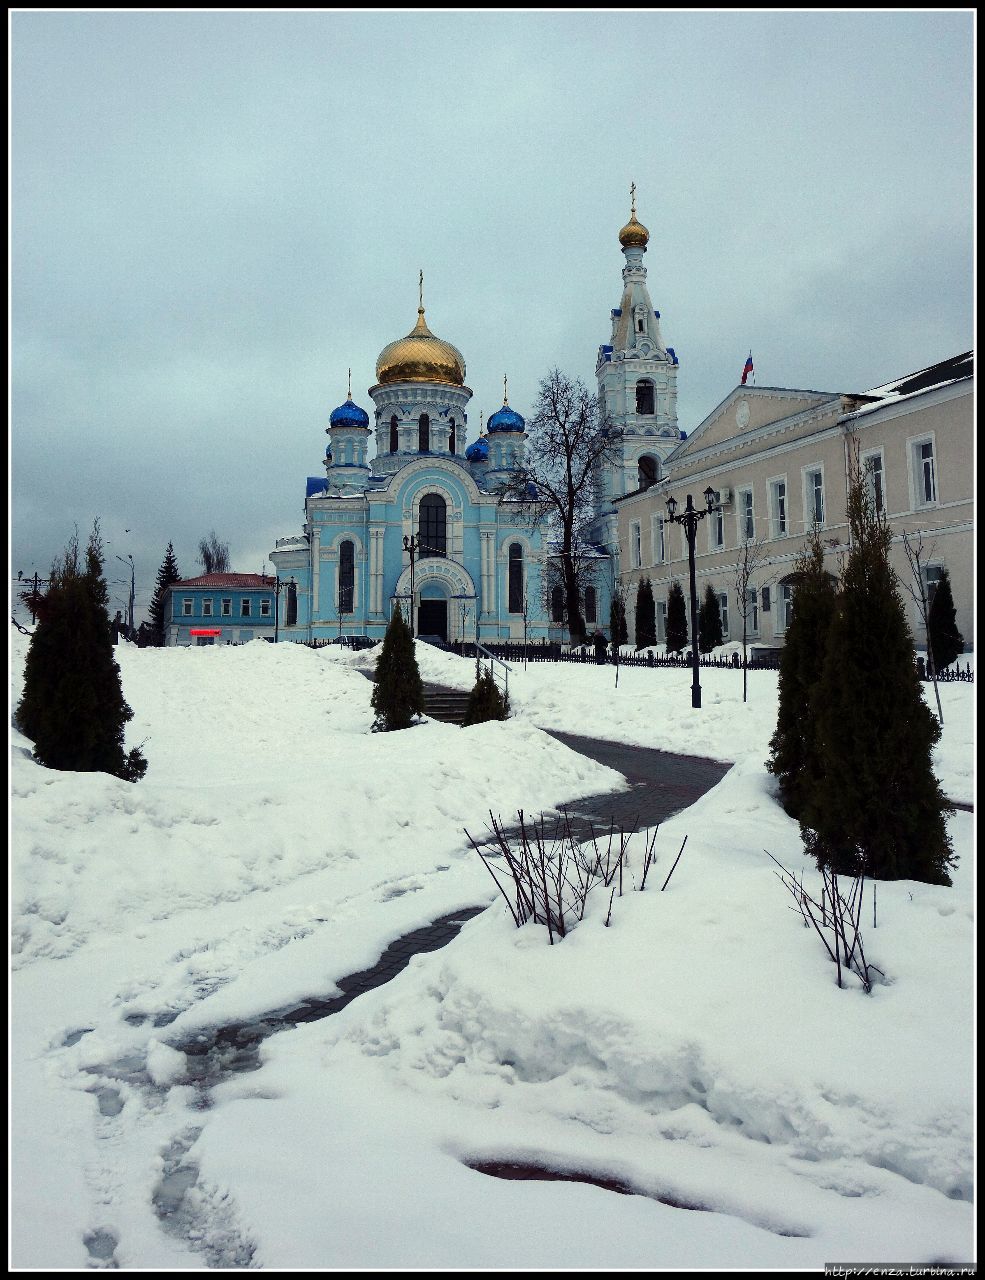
x=444 y=598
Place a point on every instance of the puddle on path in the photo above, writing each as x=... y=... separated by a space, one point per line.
x=213 y=1055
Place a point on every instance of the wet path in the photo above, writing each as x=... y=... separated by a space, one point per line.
x=660 y=784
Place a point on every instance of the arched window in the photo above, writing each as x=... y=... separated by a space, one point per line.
x=451 y=436
x=649 y=471
x=394 y=437
x=292 y=603
x=431 y=536
x=424 y=433
x=644 y=396
x=347 y=576
x=516 y=578
x=557 y=604
x=591 y=605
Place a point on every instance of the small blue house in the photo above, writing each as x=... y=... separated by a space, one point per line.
x=221 y=608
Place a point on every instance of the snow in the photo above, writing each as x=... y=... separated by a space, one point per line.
x=696 y=1049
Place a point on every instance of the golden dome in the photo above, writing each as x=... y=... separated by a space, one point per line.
x=421 y=357
x=634 y=234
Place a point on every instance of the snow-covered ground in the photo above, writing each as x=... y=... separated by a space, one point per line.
x=696 y=1050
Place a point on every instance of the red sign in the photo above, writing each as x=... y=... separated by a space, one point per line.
x=215 y=631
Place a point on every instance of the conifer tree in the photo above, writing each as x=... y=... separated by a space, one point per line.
x=486 y=702
x=618 y=629
x=710 y=622
x=73 y=706
x=794 y=750
x=676 y=619
x=946 y=641
x=646 y=615
x=166 y=575
x=875 y=807
x=398 y=694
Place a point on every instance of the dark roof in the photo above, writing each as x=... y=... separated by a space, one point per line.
x=256 y=581
x=952 y=370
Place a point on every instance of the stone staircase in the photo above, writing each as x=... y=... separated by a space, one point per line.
x=449 y=705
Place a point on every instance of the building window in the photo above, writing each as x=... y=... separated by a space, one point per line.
x=874 y=480
x=591 y=606
x=814 y=496
x=347 y=576
x=292 y=603
x=778 y=508
x=925 y=473
x=451 y=436
x=784 y=606
x=206 y=608
x=747 y=520
x=516 y=578
x=635 y=545
x=716 y=531
x=394 y=435
x=244 y=607
x=932 y=574
x=661 y=606
x=557 y=605
x=431 y=535
x=186 y=606
x=723 y=611
x=644 y=393
x=424 y=434
x=752 y=612
x=659 y=545
x=264 y=608
x=227 y=608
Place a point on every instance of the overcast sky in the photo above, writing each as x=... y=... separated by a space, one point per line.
x=215 y=215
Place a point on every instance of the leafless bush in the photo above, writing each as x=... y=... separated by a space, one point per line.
x=836 y=920
x=545 y=874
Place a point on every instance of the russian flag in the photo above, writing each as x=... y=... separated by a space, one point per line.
x=747 y=369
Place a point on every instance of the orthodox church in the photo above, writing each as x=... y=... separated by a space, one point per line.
x=422 y=524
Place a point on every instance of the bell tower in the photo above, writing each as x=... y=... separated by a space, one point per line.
x=637 y=380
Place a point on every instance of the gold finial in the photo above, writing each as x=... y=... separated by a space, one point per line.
x=350 y=384
x=420 y=293
x=482 y=414
x=505 y=401
x=632 y=199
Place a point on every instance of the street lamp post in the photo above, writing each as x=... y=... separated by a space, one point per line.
x=129 y=560
x=411 y=547
x=688 y=521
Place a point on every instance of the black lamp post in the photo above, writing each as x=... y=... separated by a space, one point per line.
x=280 y=585
x=411 y=547
x=688 y=520
x=129 y=560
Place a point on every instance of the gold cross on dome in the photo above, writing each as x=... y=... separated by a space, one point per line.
x=350 y=384
x=420 y=291
x=505 y=401
x=632 y=198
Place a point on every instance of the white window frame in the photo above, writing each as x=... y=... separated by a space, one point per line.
x=245 y=606
x=915 y=448
x=878 y=497
x=207 y=608
x=635 y=545
x=931 y=574
x=810 y=491
x=779 y=506
x=716 y=530
x=784 y=607
x=745 y=516
x=187 y=606
x=227 y=607
x=752 y=611
x=723 y=611
x=658 y=541
x=661 y=610
x=265 y=609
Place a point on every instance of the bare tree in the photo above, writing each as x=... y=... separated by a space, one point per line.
x=917 y=555
x=752 y=557
x=586 y=564
x=213 y=555
x=569 y=439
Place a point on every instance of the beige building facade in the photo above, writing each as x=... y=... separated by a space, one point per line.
x=780 y=460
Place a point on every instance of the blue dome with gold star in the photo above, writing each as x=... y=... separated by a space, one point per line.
x=349 y=415
x=505 y=419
